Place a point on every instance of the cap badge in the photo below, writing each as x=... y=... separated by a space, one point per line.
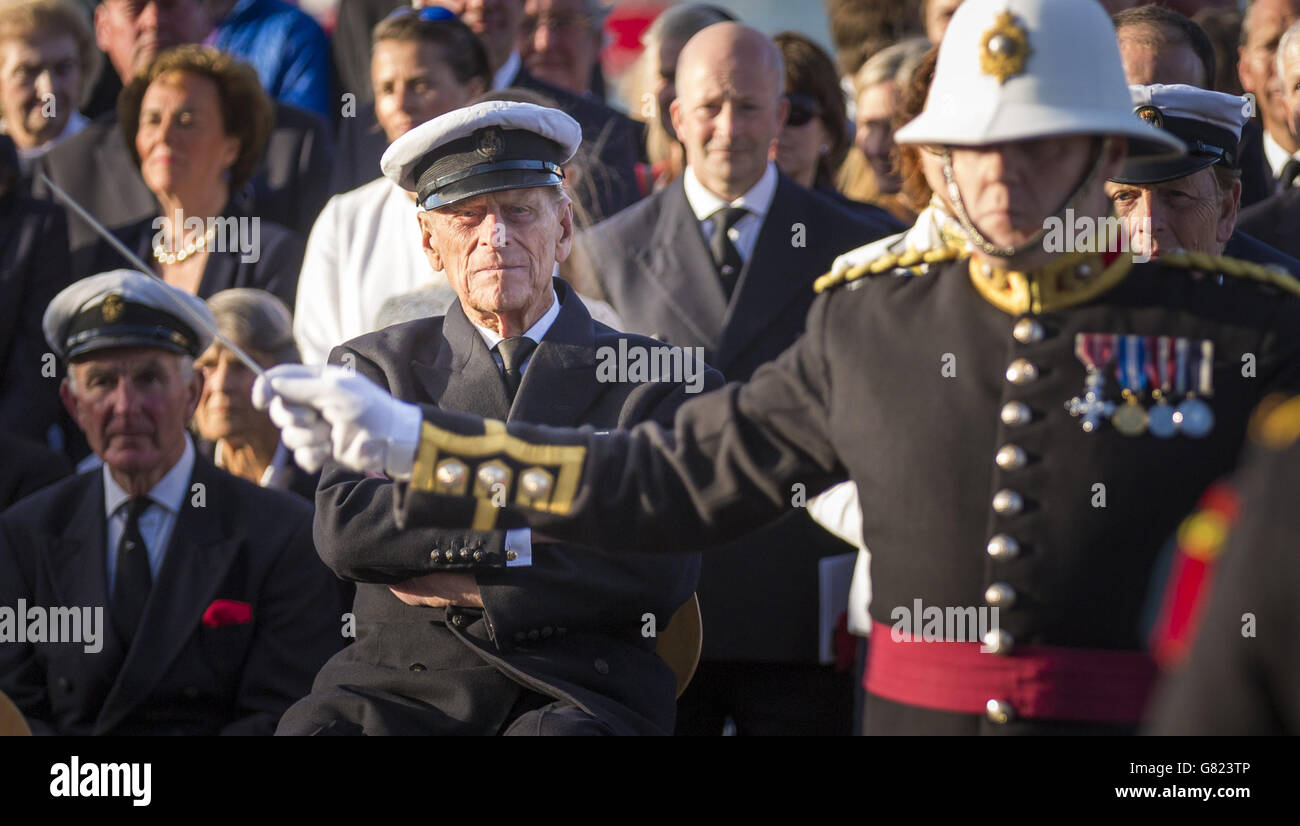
x=490 y=143
x=111 y=308
x=1005 y=48
x=1152 y=115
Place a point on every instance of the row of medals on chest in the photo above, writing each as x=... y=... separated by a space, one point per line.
x=1163 y=382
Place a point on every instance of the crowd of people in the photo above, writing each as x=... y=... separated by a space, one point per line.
x=261 y=457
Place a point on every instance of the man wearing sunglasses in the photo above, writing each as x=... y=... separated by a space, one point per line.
x=724 y=259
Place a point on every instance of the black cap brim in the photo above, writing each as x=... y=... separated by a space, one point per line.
x=1157 y=171
x=495 y=180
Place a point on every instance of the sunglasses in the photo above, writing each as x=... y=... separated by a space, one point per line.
x=803 y=108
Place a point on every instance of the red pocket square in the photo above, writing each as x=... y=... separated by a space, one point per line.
x=227 y=612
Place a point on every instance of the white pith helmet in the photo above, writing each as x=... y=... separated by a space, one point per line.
x=1011 y=70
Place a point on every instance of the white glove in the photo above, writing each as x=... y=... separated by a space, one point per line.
x=324 y=409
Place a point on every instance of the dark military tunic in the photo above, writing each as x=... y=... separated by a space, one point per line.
x=910 y=385
x=1243 y=674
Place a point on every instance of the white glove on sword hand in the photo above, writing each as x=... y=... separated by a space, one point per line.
x=329 y=410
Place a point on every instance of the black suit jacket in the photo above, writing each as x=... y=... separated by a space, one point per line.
x=615 y=143
x=33 y=269
x=180 y=677
x=1275 y=221
x=658 y=273
x=568 y=627
x=290 y=186
x=278 y=256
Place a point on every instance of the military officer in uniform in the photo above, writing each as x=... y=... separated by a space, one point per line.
x=495 y=632
x=1025 y=427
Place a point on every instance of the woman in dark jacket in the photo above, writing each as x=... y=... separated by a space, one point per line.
x=196 y=121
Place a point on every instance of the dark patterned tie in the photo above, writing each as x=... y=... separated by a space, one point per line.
x=514 y=352
x=131 y=589
x=1290 y=171
x=726 y=258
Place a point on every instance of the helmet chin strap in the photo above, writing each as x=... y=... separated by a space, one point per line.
x=988 y=247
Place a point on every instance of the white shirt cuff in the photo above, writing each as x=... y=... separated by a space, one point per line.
x=519 y=540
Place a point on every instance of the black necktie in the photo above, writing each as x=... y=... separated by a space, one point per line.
x=514 y=352
x=1290 y=171
x=726 y=258
x=131 y=589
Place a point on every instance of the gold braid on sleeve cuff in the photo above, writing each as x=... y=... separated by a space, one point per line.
x=498 y=470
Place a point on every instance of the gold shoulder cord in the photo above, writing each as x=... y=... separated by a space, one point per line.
x=912 y=259
x=502 y=468
x=1276 y=422
x=1273 y=275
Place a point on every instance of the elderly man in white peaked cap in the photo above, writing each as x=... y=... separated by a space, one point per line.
x=1025 y=426
x=490 y=631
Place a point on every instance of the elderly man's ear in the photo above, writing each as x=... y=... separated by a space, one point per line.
x=564 y=244
x=426 y=239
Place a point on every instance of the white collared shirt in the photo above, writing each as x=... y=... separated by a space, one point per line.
x=1276 y=157
x=758 y=200
x=520 y=540
x=158 y=521
x=505 y=76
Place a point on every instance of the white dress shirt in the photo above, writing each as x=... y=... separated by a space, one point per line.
x=363 y=249
x=157 y=522
x=758 y=200
x=520 y=540
x=1276 y=157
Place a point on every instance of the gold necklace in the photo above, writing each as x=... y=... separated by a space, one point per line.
x=161 y=255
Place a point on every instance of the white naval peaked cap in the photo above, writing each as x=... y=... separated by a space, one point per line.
x=1209 y=123
x=1012 y=70
x=126 y=308
x=487 y=147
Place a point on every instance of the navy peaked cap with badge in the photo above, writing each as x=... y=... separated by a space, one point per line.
x=487 y=147
x=126 y=308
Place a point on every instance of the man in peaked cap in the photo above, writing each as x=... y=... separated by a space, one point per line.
x=1190 y=203
x=489 y=631
x=1025 y=426
x=204 y=608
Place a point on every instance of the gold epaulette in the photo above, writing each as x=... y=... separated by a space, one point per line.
x=1276 y=421
x=1204 y=262
x=911 y=259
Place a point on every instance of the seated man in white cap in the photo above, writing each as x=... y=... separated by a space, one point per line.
x=203 y=607
x=485 y=631
x=1189 y=204
x=1026 y=426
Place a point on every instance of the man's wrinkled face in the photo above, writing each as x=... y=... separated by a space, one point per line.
x=727 y=116
x=496 y=22
x=132 y=32
x=1289 y=82
x=132 y=404
x=1189 y=213
x=559 y=44
x=1257 y=61
x=874 y=133
x=499 y=250
x=40 y=78
x=1007 y=194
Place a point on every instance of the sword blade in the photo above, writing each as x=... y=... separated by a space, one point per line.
x=135 y=261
